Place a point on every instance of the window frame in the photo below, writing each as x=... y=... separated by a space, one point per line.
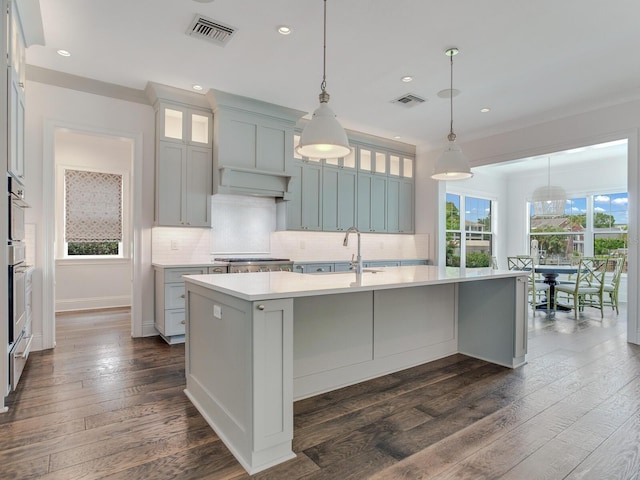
x=462 y=232
x=124 y=246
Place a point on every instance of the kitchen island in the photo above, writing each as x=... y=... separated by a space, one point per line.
x=257 y=342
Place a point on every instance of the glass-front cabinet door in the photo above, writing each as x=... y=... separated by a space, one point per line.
x=185 y=125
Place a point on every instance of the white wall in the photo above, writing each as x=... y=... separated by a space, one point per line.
x=83 y=284
x=48 y=107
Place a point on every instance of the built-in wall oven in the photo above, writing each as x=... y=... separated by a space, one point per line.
x=17 y=206
x=19 y=330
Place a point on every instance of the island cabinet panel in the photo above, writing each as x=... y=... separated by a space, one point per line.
x=427 y=318
x=239 y=373
x=316 y=347
x=498 y=335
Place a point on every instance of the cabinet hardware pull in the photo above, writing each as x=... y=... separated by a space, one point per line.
x=260 y=307
x=183 y=322
x=182 y=296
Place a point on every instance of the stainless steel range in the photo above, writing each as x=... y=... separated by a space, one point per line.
x=248 y=265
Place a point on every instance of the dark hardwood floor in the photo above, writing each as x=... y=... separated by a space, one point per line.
x=103 y=405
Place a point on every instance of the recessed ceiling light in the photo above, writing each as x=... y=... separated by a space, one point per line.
x=284 y=30
x=197 y=87
x=64 y=53
x=485 y=110
x=407 y=78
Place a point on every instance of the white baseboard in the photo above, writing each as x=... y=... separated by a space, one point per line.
x=149 y=330
x=73 y=304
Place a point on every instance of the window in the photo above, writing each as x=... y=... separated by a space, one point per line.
x=610 y=223
x=92 y=213
x=474 y=241
x=591 y=225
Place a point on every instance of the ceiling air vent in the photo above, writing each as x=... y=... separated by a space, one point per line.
x=409 y=100
x=211 y=30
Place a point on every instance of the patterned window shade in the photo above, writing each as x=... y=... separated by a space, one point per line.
x=93 y=203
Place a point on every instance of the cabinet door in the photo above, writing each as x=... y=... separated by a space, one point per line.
x=378 y=204
x=170 y=183
x=172 y=123
x=199 y=128
x=364 y=202
x=406 y=207
x=312 y=197
x=16 y=127
x=304 y=210
x=330 y=198
x=198 y=187
x=393 y=205
x=347 y=185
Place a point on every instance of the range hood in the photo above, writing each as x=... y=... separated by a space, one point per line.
x=252 y=145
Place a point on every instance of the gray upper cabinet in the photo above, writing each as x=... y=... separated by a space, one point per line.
x=338 y=198
x=372 y=198
x=184 y=136
x=372 y=188
x=400 y=206
x=304 y=210
x=183 y=185
x=253 y=145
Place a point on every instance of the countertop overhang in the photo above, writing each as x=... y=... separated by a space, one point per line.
x=274 y=285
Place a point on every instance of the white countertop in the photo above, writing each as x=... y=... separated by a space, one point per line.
x=272 y=285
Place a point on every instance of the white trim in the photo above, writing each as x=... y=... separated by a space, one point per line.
x=49 y=260
x=74 y=304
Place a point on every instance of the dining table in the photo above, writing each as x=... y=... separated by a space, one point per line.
x=551 y=273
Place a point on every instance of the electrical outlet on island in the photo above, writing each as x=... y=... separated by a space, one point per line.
x=174 y=245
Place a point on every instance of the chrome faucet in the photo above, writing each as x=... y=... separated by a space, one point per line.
x=358 y=262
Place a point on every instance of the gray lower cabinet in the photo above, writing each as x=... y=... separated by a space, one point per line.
x=183 y=190
x=304 y=211
x=325 y=267
x=405 y=263
x=382 y=263
x=170 y=300
x=313 y=267
x=338 y=198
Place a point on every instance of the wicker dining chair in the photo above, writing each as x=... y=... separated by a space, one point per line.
x=587 y=290
x=611 y=288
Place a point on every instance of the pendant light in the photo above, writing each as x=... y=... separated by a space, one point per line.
x=452 y=164
x=549 y=200
x=324 y=137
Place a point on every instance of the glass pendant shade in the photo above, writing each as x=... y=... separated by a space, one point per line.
x=323 y=137
x=549 y=201
x=452 y=165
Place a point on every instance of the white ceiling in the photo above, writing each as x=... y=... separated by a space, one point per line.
x=528 y=61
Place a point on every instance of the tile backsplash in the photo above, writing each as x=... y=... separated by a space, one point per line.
x=170 y=244
x=314 y=246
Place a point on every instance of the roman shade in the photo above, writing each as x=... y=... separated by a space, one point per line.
x=93 y=206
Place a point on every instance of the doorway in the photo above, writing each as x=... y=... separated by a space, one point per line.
x=93 y=221
x=133 y=264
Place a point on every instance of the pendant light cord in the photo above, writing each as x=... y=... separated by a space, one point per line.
x=451 y=136
x=323 y=85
